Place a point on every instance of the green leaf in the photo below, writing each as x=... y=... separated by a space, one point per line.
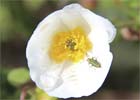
x=18 y=76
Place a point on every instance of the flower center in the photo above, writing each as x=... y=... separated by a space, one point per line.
x=72 y=45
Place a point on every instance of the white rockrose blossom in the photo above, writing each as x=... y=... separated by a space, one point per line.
x=69 y=54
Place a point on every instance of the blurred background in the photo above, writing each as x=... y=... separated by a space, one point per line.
x=19 y=18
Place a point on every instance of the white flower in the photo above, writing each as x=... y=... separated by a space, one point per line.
x=69 y=54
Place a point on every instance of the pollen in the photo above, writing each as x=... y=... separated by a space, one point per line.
x=71 y=46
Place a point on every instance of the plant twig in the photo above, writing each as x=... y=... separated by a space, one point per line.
x=23 y=93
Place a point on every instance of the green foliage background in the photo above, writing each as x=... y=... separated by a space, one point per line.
x=18 y=19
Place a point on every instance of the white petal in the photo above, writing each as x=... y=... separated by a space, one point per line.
x=71 y=19
x=95 y=21
x=82 y=80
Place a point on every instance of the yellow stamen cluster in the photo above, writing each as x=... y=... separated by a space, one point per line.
x=72 y=45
